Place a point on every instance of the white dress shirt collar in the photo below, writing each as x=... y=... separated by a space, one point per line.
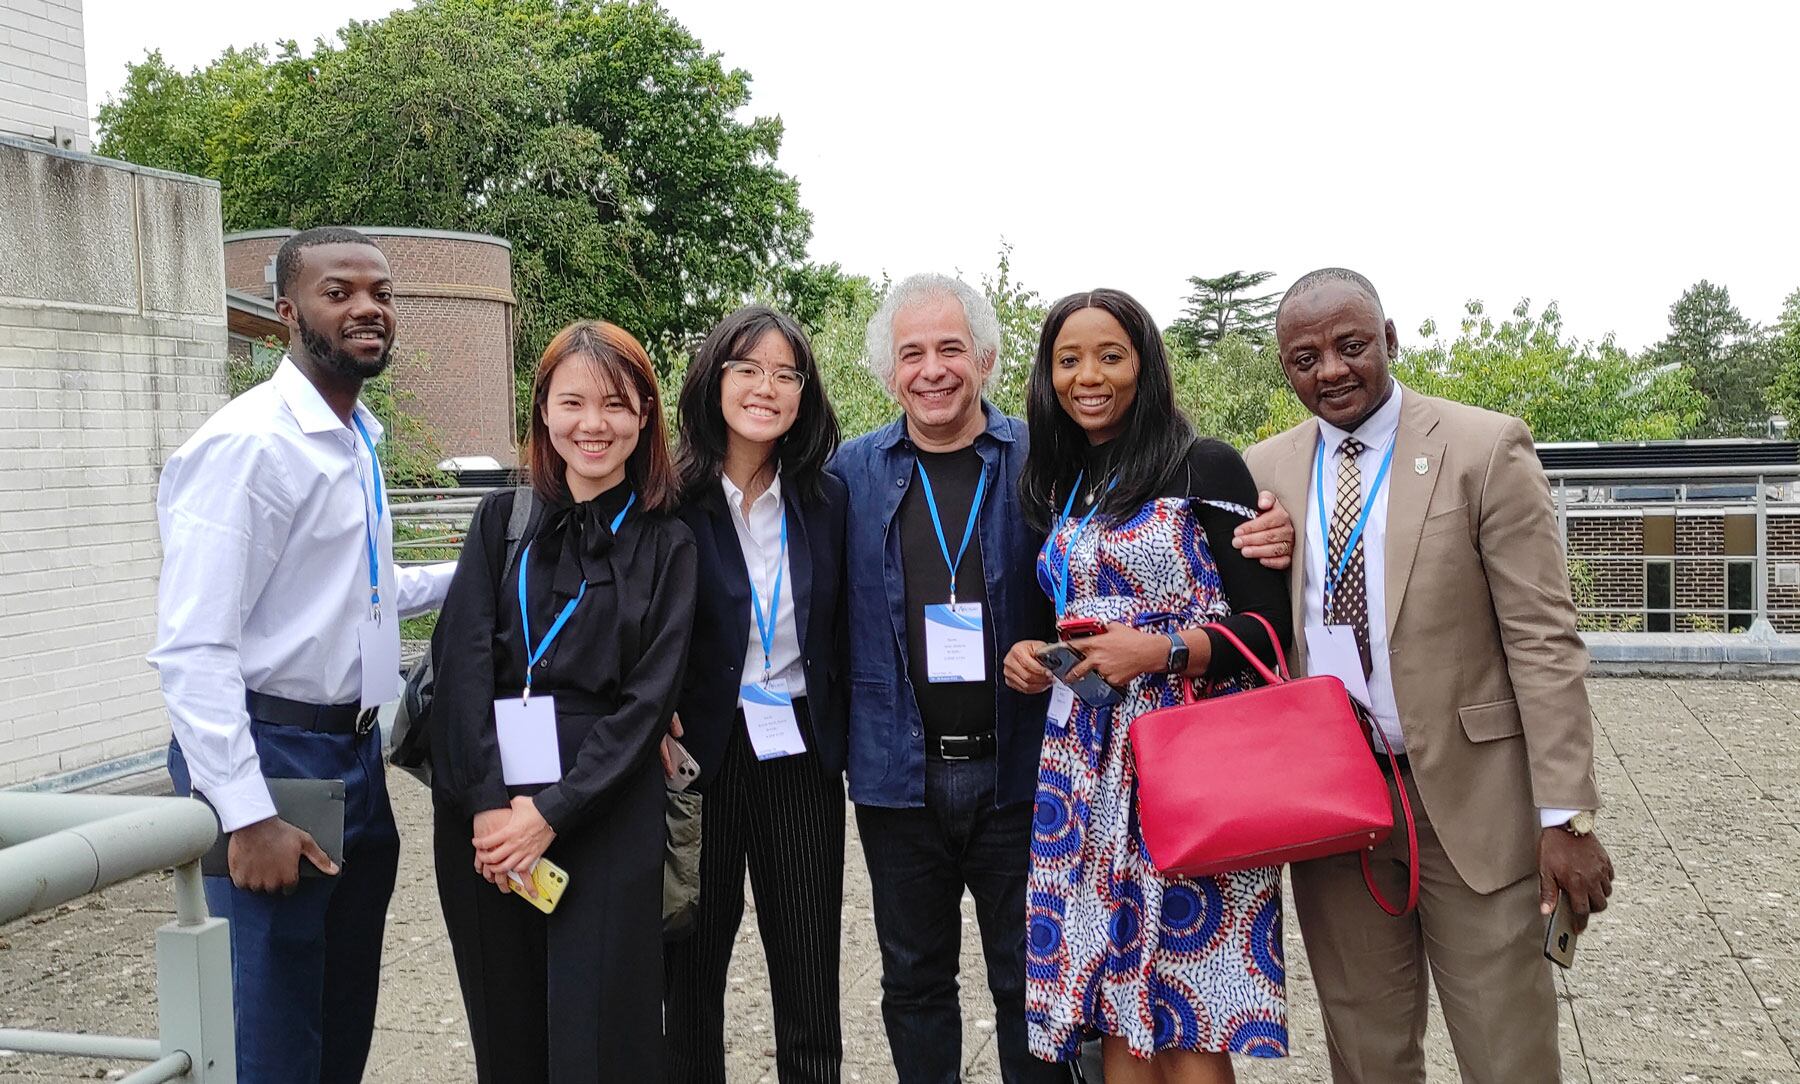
x=310 y=409
x=1376 y=431
x=735 y=496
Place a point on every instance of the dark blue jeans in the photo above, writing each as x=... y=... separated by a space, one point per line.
x=920 y=860
x=305 y=968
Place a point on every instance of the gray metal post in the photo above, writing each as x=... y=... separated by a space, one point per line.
x=1562 y=513
x=193 y=993
x=1761 y=628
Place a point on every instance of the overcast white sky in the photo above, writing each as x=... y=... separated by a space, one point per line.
x=1605 y=155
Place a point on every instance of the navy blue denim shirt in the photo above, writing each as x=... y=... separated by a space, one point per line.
x=887 y=744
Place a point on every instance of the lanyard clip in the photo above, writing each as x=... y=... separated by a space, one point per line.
x=375 y=607
x=525 y=694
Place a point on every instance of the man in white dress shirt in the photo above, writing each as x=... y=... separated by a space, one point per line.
x=1432 y=581
x=278 y=633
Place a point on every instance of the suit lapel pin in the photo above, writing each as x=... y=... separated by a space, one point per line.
x=1421 y=465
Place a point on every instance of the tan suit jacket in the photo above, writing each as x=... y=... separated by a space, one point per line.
x=1488 y=668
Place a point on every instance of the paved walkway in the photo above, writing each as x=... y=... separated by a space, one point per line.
x=1693 y=975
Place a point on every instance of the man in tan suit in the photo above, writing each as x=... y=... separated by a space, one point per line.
x=1452 y=606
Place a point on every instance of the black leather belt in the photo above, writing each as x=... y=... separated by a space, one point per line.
x=320 y=718
x=960 y=746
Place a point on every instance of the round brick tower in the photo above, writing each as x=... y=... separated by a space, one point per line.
x=453 y=354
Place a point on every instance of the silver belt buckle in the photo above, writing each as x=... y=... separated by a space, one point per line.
x=365 y=722
x=962 y=742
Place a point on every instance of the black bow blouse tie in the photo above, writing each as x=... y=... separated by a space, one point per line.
x=582 y=534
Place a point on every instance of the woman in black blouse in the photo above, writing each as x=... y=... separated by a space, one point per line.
x=1172 y=974
x=768 y=522
x=600 y=594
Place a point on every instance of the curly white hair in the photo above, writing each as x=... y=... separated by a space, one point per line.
x=984 y=323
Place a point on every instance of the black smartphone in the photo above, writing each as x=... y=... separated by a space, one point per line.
x=1560 y=934
x=1059 y=658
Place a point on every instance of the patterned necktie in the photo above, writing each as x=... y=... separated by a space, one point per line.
x=1350 y=594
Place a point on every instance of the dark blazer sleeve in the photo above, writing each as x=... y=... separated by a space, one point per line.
x=465 y=752
x=618 y=744
x=1217 y=472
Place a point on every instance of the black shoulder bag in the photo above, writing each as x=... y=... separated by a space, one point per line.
x=411 y=732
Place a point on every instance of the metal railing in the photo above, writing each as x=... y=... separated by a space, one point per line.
x=1681 y=479
x=430 y=524
x=59 y=847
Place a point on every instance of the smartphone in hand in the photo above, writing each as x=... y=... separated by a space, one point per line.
x=1060 y=658
x=548 y=879
x=1560 y=934
x=687 y=769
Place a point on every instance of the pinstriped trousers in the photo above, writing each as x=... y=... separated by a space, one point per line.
x=784 y=820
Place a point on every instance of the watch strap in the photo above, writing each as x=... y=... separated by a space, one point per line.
x=1178 y=653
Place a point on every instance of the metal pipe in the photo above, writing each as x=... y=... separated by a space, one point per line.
x=60 y=847
x=1562 y=513
x=190 y=895
x=1762 y=554
x=1632 y=474
x=110 y=1047
x=171 y=1067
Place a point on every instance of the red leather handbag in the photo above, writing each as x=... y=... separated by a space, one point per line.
x=1279 y=773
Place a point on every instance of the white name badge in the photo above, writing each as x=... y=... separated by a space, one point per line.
x=379 y=646
x=528 y=748
x=954 y=647
x=769 y=716
x=1062 y=703
x=1331 y=649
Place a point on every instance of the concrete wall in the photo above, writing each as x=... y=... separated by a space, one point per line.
x=453 y=351
x=43 y=72
x=112 y=350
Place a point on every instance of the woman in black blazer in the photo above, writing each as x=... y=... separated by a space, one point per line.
x=762 y=707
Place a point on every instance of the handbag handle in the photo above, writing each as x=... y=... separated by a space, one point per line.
x=1412 y=844
x=1412 y=828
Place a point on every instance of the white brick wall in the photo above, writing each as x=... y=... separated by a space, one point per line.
x=43 y=71
x=94 y=396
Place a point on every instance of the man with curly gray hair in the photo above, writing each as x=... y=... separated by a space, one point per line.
x=943 y=757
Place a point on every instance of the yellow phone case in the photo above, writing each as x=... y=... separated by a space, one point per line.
x=549 y=880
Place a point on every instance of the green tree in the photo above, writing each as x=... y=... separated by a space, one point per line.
x=1233 y=390
x=1223 y=305
x=602 y=140
x=1783 y=394
x=1563 y=388
x=1021 y=312
x=1727 y=356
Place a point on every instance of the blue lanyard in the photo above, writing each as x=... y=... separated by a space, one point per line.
x=369 y=524
x=765 y=624
x=968 y=528
x=532 y=656
x=1062 y=571
x=1332 y=576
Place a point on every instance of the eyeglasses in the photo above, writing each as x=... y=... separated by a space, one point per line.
x=749 y=374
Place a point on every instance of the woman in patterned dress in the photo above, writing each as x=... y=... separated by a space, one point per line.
x=1173 y=974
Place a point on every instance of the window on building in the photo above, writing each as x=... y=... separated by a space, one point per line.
x=1659 y=595
x=1740 y=595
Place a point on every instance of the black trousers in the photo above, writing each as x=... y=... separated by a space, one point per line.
x=572 y=997
x=784 y=819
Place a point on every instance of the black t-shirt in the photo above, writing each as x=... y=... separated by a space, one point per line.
x=946 y=707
